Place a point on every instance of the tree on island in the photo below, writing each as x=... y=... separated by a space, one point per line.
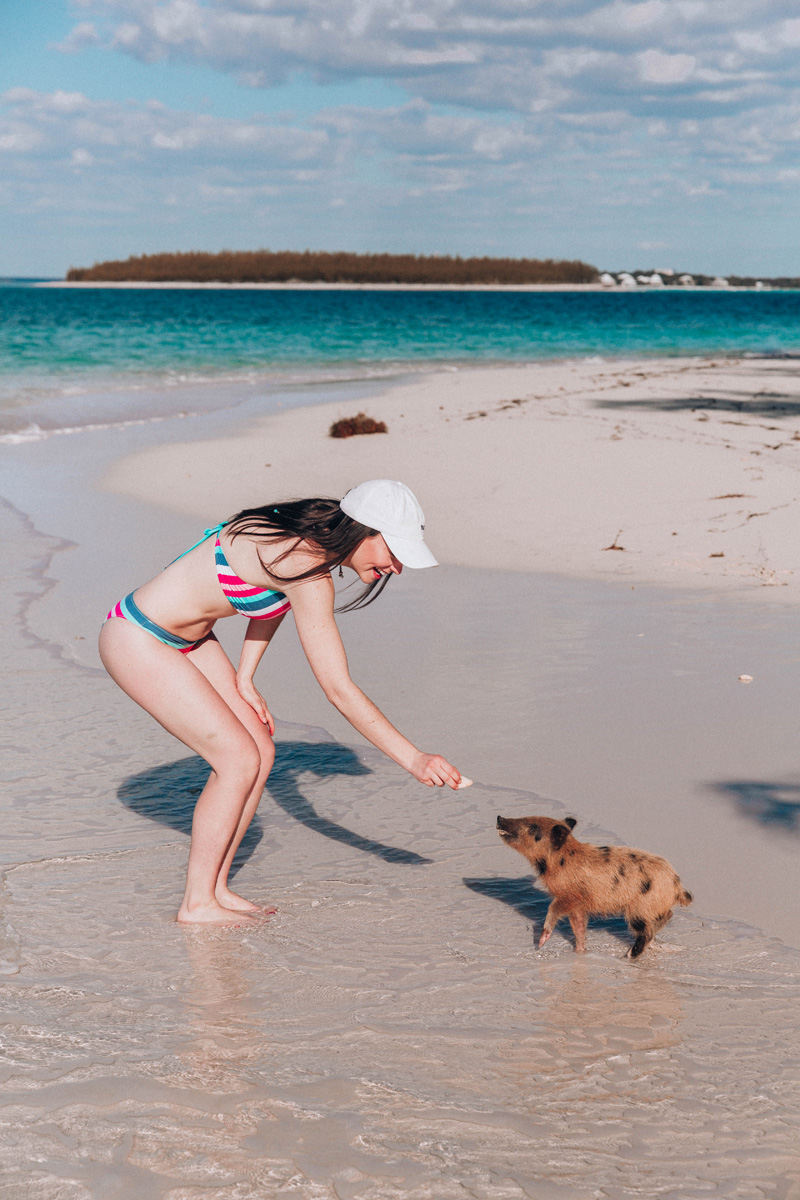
x=287 y=266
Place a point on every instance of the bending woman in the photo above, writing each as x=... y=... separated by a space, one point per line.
x=158 y=645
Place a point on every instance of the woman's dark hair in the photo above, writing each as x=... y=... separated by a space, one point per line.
x=319 y=521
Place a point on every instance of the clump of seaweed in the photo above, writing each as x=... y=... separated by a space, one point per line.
x=360 y=423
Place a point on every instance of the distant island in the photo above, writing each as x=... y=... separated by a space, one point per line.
x=319 y=266
x=287 y=266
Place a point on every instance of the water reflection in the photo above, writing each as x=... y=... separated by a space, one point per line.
x=594 y=1008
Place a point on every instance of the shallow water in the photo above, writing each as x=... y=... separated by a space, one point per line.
x=76 y=358
x=391 y=1032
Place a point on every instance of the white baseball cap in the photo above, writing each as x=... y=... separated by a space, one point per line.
x=392 y=509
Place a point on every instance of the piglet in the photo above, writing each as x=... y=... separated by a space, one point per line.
x=586 y=880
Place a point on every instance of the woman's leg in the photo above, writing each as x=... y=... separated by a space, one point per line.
x=180 y=697
x=211 y=659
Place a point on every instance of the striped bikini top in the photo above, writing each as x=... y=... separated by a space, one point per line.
x=260 y=604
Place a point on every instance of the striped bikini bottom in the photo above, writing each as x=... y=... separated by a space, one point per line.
x=129 y=611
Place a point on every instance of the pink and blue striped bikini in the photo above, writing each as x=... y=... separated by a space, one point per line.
x=257 y=603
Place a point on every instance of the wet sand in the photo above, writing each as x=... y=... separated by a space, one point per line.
x=393 y=1032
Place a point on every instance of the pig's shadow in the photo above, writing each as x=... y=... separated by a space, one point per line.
x=532 y=904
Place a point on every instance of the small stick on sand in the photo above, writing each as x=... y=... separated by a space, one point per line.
x=614 y=545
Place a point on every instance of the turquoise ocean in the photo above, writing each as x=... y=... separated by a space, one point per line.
x=76 y=358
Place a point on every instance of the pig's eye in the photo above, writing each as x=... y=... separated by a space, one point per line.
x=536 y=830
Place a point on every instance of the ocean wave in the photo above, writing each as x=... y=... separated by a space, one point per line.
x=35 y=433
x=41 y=409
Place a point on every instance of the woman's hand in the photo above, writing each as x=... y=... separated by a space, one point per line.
x=435 y=771
x=247 y=690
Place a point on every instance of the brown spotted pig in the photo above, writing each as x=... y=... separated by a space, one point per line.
x=587 y=880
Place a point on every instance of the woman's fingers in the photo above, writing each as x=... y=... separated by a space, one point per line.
x=258 y=705
x=438 y=772
x=449 y=775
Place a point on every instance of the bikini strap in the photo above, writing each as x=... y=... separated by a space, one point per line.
x=207 y=533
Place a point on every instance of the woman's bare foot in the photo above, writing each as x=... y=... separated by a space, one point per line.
x=236 y=903
x=211 y=914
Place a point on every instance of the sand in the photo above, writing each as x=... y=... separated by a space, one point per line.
x=321 y=286
x=393 y=1034
x=660 y=471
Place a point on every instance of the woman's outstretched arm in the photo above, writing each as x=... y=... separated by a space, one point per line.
x=312 y=604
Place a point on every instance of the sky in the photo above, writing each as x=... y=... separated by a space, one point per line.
x=652 y=134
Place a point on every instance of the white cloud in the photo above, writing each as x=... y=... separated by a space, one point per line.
x=487 y=55
x=83 y=35
x=518 y=111
x=44 y=137
x=657 y=67
x=52 y=125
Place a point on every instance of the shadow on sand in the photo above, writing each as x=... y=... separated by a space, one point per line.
x=325 y=759
x=774 y=805
x=762 y=404
x=168 y=793
x=531 y=903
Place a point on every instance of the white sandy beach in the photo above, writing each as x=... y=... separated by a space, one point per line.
x=393 y=1033
x=320 y=286
x=688 y=467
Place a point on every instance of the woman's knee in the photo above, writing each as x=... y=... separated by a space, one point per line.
x=266 y=751
x=236 y=759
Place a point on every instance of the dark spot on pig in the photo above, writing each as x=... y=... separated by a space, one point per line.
x=558 y=835
x=561 y=862
x=541 y=865
x=645 y=885
x=622 y=870
x=638 y=925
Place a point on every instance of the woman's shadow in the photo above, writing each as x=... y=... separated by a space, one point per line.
x=168 y=793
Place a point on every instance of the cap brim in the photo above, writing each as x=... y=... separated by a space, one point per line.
x=411 y=552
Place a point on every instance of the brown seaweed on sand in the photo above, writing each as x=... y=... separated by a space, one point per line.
x=360 y=423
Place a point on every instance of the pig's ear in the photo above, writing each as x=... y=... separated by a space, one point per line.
x=558 y=835
x=535 y=831
x=570 y=821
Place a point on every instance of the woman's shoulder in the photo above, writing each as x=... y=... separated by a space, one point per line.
x=258 y=560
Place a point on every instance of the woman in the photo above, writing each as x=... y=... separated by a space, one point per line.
x=261 y=563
